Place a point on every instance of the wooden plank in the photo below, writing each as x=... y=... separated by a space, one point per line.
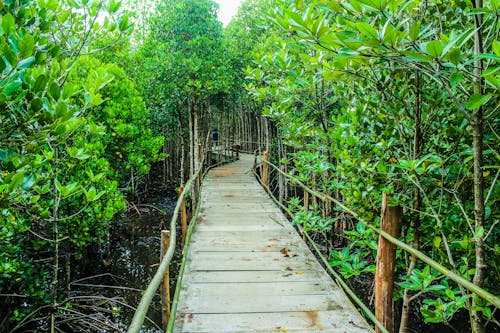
x=254 y=276
x=260 y=288
x=238 y=243
x=247 y=261
x=308 y=321
x=260 y=303
x=242 y=228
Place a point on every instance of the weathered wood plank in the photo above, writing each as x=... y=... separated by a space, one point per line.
x=261 y=303
x=247 y=261
x=307 y=321
x=263 y=288
x=254 y=276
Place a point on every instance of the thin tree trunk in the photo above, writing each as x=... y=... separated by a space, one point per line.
x=55 y=231
x=191 y=142
x=477 y=324
x=183 y=154
x=417 y=150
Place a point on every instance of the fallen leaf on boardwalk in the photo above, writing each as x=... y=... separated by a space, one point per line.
x=282 y=329
x=270 y=245
x=319 y=326
x=295 y=255
x=285 y=252
x=298 y=273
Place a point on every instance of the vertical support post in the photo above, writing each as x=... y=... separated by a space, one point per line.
x=183 y=215
x=306 y=201
x=386 y=263
x=165 y=290
x=255 y=161
x=237 y=151
x=265 y=169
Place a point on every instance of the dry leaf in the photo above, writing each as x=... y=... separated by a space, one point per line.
x=319 y=326
x=298 y=273
x=285 y=252
x=282 y=329
x=270 y=245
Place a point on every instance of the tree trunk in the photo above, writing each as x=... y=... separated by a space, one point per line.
x=417 y=150
x=477 y=324
x=191 y=141
x=55 y=231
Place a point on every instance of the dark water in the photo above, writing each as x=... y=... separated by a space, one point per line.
x=131 y=261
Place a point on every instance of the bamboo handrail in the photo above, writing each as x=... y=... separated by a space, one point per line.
x=494 y=300
x=337 y=277
x=153 y=286
x=142 y=308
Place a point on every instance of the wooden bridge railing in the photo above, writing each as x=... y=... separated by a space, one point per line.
x=225 y=153
x=266 y=166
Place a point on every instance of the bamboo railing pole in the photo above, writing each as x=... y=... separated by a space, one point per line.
x=386 y=263
x=165 y=292
x=145 y=302
x=337 y=277
x=486 y=295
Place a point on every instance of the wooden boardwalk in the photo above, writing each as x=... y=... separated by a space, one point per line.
x=248 y=270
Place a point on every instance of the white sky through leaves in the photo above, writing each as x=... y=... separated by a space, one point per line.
x=228 y=9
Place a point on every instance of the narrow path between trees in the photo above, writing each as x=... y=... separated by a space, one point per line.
x=248 y=270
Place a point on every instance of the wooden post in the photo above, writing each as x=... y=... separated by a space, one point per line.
x=386 y=263
x=165 y=290
x=306 y=201
x=183 y=215
x=265 y=169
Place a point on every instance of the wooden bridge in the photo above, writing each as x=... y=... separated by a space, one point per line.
x=248 y=270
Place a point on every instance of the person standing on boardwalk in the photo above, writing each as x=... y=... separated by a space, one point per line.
x=215 y=139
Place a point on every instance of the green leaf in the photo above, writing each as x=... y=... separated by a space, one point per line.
x=55 y=91
x=26 y=46
x=366 y=29
x=486 y=312
x=415 y=30
x=8 y=24
x=28 y=182
x=477 y=100
x=488 y=56
x=496 y=47
x=61 y=110
x=3 y=156
x=41 y=82
x=26 y=63
x=456 y=78
x=450 y=294
x=454 y=56
x=16 y=181
x=434 y=48
x=11 y=89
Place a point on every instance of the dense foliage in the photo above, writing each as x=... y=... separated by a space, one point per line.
x=73 y=131
x=399 y=97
